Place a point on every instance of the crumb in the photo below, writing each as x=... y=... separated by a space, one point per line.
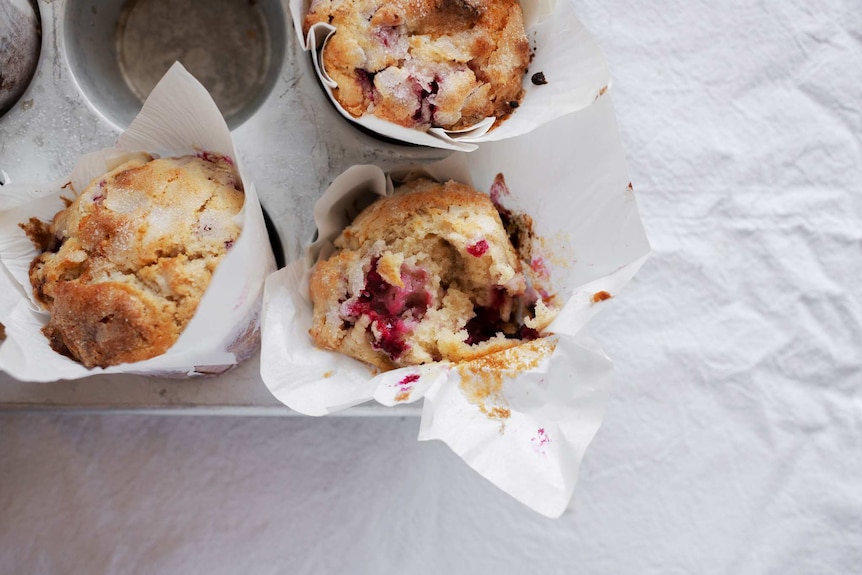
x=2 y=332
x=39 y=233
x=482 y=378
x=601 y=296
x=539 y=79
x=406 y=387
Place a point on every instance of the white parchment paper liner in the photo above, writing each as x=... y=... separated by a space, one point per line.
x=178 y=118
x=564 y=51
x=578 y=193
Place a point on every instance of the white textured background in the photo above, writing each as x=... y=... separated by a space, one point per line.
x=732 y=440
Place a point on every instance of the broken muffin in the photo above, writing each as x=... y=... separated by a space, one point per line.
x=428 y=274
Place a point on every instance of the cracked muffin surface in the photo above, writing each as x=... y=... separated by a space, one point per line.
x=425 y=63
x=428 y=274
x=125 y=265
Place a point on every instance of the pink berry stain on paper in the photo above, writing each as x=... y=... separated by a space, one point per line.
x=214 y=158
x=541 y=441
x=405 y=386
x=498 y=190
x=537 y=264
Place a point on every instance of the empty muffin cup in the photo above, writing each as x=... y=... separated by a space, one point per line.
x=20 y=46
x=118 y=51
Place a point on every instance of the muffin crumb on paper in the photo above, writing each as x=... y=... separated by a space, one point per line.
x=482 y=378
x=601 y=296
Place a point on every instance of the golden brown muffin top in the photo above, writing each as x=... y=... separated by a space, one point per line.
x=128 y=260
x=425 y=63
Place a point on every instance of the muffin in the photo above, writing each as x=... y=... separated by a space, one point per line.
x=425 y=63
x=428 y=274
x=125 y=265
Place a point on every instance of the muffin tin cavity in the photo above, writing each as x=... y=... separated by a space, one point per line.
x=20 y=45
x=119 y=51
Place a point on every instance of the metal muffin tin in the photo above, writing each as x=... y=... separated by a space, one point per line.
x=97 y=59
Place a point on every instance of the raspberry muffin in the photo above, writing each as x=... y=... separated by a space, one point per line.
x=426 y=275
x=125 y=265
x=425 y=63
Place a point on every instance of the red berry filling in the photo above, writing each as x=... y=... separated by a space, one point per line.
x=488 y=321
x=478 y=249
x=426 y=110
x=393 y=310
x=388 y=35
x=99 y=196
x=365 y=79
x=527 y=333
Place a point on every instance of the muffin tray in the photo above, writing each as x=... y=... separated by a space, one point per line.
x=291 y=140
x=98 y=61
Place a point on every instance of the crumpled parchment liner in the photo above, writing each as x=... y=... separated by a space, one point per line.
x=178 y=118
x=592 y=240
x=563 y=50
